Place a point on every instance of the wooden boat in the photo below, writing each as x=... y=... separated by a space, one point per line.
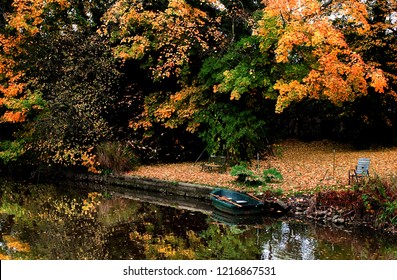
x=235 y=203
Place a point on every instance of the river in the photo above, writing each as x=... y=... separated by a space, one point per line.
x=55 y=221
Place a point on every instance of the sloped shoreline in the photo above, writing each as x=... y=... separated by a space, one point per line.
x=301 y=206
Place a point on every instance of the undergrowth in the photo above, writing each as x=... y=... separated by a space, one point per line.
x=249 y=178
x=376 y=197
x=115 y=157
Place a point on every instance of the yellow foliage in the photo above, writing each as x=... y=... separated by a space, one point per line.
x=15 y=244
x=74 y=208
x=289 y=91
x=177 y=30
x=235 y=95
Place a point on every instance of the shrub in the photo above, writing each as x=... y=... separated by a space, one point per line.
x=228 y=129
x=242 y=172
x=247 y=176
x=115 y=157
x=380 y=195
x=272 y=175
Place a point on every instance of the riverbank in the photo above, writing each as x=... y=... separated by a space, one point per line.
x=314 y=184
x=327 y=206
x=305 y=167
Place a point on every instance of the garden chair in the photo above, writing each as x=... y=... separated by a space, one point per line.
x=360 y=172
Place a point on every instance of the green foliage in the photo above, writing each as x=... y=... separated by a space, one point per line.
x=379 y=196
x=11 y=150
x=12 y=208
x=116 y=157
x=244 y=175
x=67 y=79
x=388 y=213
x=272 y=175
x=228 y=129
x=249 y=178
x=242 y=71
x=239 y=82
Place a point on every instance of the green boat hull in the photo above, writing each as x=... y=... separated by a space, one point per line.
x=235 y=203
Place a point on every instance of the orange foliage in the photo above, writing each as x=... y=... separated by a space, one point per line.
x=179 y=108
x=26 y=20
x=338 y=73
x=28 y=14
x=4 y=257
x=13 y=117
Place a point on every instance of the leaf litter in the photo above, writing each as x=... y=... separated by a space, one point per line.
x=305 y=166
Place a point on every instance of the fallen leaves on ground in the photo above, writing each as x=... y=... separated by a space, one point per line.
x=305 y=166
x=184 y=172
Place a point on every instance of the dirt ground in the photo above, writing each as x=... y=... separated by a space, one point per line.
x=304 y=165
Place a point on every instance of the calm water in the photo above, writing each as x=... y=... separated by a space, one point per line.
x=47 y=222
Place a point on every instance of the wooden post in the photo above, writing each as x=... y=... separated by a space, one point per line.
x=333 y=165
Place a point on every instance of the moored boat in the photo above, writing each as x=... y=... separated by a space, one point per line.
x=236 y=203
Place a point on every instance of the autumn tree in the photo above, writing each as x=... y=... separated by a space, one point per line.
x=209 y=69
x=20 y=22
x=162 y=45
x=321 y=62
x=58 y=81
x=375 y=114
x=330 y=52
x=162 y=35
x=78 y=78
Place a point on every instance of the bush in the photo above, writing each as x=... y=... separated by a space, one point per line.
x=244 y=175
x=272 y=175
x=229 y=130
x=115 y=157
x=247 y=176
x=380 y=196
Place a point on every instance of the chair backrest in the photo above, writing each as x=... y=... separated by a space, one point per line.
x=363 y=166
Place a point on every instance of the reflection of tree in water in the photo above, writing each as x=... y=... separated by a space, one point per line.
x=88 y=226
x=355 y=243
x=217 y=242
x=55 y=224
x=229 y=242
x=294 y=240
x=68 y=229
x=286 y=242
x=148 y=231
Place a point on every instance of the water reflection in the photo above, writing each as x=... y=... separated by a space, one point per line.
x=48 y=223
x=289 y=241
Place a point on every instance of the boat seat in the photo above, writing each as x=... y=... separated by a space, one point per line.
x=241 y=201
